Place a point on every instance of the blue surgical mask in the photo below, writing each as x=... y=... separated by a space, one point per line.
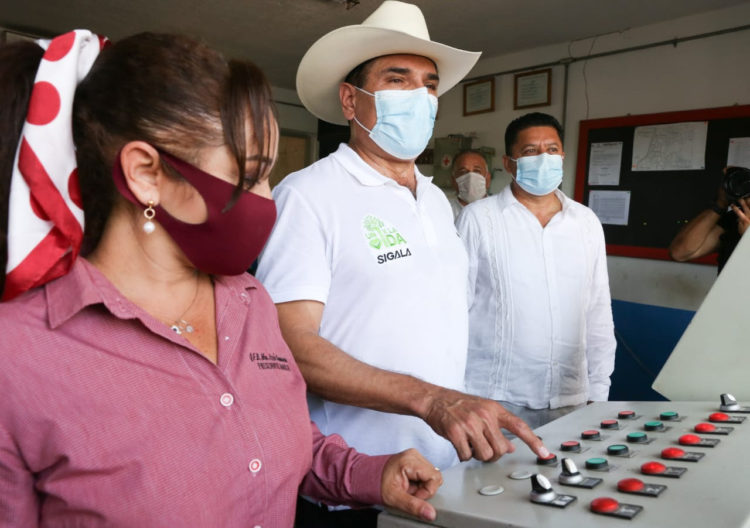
x=404 y=121
x=539 y=175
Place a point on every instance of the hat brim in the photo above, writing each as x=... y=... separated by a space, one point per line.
x=333 y=56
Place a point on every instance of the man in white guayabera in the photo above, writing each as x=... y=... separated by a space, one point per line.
x=541 y=337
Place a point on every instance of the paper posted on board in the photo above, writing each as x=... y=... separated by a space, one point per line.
x=604 y=163
x=673 y=147
x=612 y=207
x=738 y=154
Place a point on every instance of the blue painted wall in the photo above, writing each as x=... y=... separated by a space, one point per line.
x=646 y=335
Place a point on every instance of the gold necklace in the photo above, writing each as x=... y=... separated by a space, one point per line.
x=181 y=325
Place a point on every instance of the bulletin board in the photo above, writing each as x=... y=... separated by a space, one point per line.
x=660 y=201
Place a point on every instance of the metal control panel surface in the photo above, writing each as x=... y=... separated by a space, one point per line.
x=711 y=491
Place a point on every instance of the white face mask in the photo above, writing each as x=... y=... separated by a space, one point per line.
x=471 y=186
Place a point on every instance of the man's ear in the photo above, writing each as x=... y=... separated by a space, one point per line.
x=346 y=95
x=509 y=165
x=142 y=168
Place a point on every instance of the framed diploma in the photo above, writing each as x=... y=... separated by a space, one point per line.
x=479 y=97
x=531 y=89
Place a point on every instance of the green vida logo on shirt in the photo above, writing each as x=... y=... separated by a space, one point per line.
x=384 y=240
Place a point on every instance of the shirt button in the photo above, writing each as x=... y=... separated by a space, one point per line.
x=226 y=399
x=226 y=338
x=254 y=465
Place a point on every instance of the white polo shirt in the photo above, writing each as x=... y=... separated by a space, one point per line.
x=391 y=272
x=540 y=319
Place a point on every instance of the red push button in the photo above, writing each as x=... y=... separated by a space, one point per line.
x=604 y=505
x=591 y=434
x=653 y=468
x=705 y=428
x=626 y=415
x=672 y=452
x=549 y=460
x=570 y=445
x=689 y=439
x=609 y=424
x=630 y=485
x=718 y=417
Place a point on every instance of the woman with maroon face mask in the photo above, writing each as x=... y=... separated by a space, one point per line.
x=145 y=380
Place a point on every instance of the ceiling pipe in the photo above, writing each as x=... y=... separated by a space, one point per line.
x=570 y=60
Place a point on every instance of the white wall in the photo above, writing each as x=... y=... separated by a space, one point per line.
x=292 y=116
x=295 y=119
x=703 y=73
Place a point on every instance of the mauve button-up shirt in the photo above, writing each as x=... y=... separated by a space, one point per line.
x=108 y=418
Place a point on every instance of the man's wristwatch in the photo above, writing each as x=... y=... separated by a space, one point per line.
x=717 y=209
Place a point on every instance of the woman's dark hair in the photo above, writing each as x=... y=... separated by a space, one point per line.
x=170 y=91
x=18 y=64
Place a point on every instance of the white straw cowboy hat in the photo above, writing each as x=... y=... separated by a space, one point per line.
x=394 y=27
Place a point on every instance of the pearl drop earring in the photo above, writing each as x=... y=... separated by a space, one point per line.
x=148 y=225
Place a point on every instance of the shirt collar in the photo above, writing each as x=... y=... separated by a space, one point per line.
x=84 y=285
x=507 y=198
x=364 y=173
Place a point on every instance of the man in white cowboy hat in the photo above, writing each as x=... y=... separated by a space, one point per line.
x=364 y=263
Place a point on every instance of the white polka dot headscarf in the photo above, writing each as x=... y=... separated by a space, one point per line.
x=45 y=215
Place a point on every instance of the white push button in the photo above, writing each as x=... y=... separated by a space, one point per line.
x=492 y=489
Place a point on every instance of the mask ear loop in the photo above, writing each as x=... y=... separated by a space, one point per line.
x=355 y=117
x=45 y=214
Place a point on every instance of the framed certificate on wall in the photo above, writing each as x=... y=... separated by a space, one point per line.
x=479 y=97
x=532 y=89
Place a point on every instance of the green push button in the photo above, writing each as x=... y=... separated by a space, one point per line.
x=618 y=450
x=637 y=438
x=597 y=463
x=654 y=426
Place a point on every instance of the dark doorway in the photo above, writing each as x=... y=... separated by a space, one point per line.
x=329 y=137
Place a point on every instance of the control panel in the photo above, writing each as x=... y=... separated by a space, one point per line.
x=630 y=464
